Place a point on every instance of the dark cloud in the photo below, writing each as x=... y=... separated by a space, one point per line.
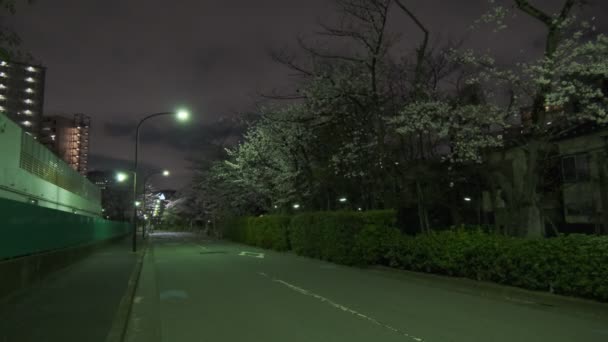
x=103 y=163
x=218 y=133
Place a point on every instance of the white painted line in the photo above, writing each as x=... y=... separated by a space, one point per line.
x=252 y=254
x=341 y=307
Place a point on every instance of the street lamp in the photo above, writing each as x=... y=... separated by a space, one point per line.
x=181 y=115
x=121 y=177
x=165 y=173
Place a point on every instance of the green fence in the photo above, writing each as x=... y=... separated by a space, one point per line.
x=27 y=229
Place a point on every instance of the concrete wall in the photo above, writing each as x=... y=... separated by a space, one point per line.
x=27 y=229
x=20 y=185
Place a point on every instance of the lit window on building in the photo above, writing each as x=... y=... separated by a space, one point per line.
x=30 y=79
x=2 y=86
x=2 y=74
x=3 y=63
x=27 y=123
x=2 y=109
x=30 y=69
x=28 y=112
x=2 y=97
x=28 y=101
x=29 y=90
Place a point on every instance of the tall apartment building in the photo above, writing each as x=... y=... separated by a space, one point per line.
x=22 y=94
x=68 y=138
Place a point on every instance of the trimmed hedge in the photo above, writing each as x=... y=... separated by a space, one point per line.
x=267 y=231
x=572 y=265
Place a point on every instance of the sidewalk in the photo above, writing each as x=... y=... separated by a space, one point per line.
x=78 y=303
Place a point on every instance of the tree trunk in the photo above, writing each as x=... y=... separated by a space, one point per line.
x=422 y=214
x=603 y=168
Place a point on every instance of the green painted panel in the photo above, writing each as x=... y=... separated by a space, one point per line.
x=29 y=229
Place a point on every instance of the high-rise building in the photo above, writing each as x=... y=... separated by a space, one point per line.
x=68 y=138
x=22 y=94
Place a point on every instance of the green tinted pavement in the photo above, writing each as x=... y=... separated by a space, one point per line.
x=192 y=290
x=78 y=303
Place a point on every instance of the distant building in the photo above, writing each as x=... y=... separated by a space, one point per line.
x=115 y=196
x=22 y=94
x=68 y=138
x=156 y=204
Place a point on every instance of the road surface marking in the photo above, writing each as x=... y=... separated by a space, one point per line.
x=173 y=294
x=252 y=254
x=339 y=306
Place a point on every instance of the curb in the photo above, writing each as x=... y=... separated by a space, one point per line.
x=121 y=319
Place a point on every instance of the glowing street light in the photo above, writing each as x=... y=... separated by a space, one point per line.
x=166 y=173
x=342 y=200
x=296 y=206
x=182 y=115
x=467 y=199
x=137 y=203
x=121 y=177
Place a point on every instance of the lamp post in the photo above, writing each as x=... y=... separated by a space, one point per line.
x=165 y=173
x=122 y=176
x=181 y=115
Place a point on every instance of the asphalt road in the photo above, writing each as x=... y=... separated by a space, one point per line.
x=194 y=290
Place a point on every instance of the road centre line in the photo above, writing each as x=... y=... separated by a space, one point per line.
x=339 y=306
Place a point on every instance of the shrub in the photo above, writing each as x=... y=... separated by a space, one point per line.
x=571 y=265
x=329 y=236
x=266 y=231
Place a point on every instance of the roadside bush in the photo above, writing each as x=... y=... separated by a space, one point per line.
x=572 y=265
x=329 y=236
x=266 y=231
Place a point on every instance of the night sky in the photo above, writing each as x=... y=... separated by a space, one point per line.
x=118 y=60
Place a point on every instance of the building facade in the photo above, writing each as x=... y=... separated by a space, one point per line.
x=68 y=138
x=30 y=173
x=22 y=94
